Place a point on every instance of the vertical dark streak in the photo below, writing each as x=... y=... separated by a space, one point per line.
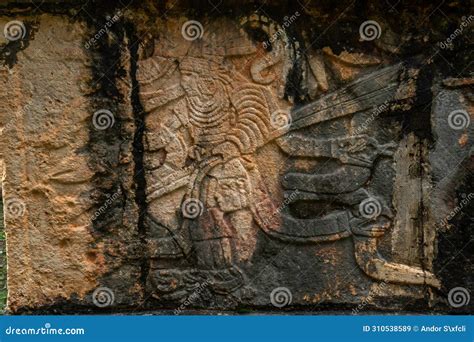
x=422 y=128
x=138 y=148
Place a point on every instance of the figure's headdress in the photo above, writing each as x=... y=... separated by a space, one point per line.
x=206 y=56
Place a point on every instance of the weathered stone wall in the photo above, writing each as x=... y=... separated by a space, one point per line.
x=237 y=156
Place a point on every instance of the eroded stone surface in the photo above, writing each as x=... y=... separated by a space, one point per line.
x=44 y=128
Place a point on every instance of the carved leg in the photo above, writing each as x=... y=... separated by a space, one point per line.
x=212 y=238
x=215 y=252
x=375 y=266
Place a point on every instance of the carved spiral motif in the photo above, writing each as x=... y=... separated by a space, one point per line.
x=280 y=297
x=459 y=119
x=458 y=296
x=14 y=30
x=15 y=207
x=370 y=208
x=192 y=30
x=370 y=30
x=192 y=208
x=280 y=119
x=102 y=297
x=103 y=119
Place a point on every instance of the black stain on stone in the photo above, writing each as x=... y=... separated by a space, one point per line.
x=454 y=263
x=418 y=119
x=138 y=146
x=109 y=148
x=115 y=88
x=105 y=140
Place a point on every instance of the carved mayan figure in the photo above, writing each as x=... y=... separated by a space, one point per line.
x=201 y=159
x=225 y=120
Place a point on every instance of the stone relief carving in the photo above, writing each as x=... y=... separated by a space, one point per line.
x=210 y=112
x=211 y=168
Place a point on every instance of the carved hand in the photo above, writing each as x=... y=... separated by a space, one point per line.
x=163 y=138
